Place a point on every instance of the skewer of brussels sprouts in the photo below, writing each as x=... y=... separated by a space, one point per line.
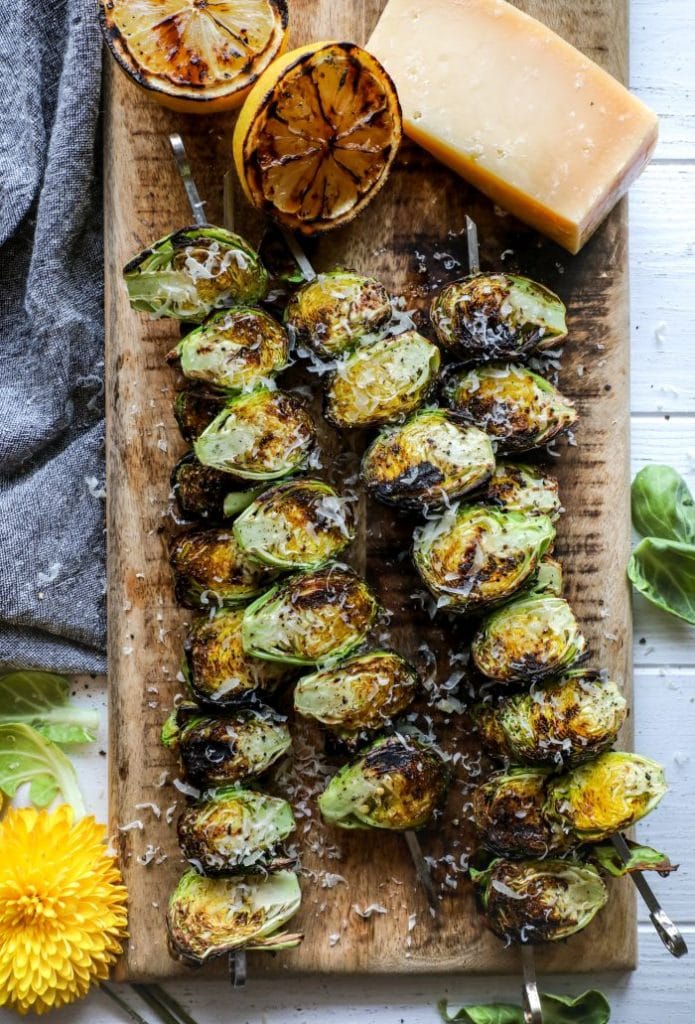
x=333 y=312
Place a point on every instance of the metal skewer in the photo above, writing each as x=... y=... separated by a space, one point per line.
x=196 y=203
x=472 y=246
x=664 y=927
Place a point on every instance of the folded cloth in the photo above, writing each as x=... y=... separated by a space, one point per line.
x=52 y=565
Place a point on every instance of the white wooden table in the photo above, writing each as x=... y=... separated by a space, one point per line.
x=662 y=265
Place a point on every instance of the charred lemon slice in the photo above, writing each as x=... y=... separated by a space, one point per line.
x=196 y=56
x=317 y=135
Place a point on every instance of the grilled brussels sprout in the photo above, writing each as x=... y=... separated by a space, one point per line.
x=208 y=917
x=524 y=488
x=219 y=672
x=497 y=316
x=397 y=783
x=561 y=722
x=210 y=567
x=189 y=273
x=427 y=461
x=473 y=557
x=235 y=349
x=311 y=617
x=296 y=525
x=199 y=490
x=263 y=435
x=519 y=409
x=363 y=692
x=529 y=638
x=539 y=900
x=509 y=812
x=232 y=749
x=336 y=310
x=606 y=795
x=194 y=411
x=382 y=383
x=235 y=830
x=548 y=580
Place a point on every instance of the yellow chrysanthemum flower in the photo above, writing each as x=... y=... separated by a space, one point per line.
x=62 y=908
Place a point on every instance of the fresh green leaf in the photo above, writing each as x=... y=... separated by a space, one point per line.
x=589 y=1008
x=664 y=572
x=42 y=700
x=642 y=858
x=26 y=757
x=662 y=505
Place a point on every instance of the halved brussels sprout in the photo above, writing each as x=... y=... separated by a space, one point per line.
x=297 y=525
x=208 y=917
x=199 y=490
x=311 y=617
x=382 y=383
x=561 y=722
x=235 y=349
x=539 y=900
x=473 y=556
x=210 y=568
x=524 y=488
x=219 y=670
x=229 y=749
x=187 y=274
x=336 y=310
x=509 y=813
x=235 y=830
x=530 y=638
x=263 y=435
x=427 y=461
x=519 y=409
x=497 y=316
x=606 y=795
x=194 y=411
x=362 y=692
x=397 y=783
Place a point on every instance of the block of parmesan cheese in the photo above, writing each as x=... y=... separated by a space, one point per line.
x=516 y=110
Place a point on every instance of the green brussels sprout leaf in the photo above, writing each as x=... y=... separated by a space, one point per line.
x=642 y=858
x=42 y=700
x=663 y=571
x=27 y=757
x=589 y=1008
x=662 y=505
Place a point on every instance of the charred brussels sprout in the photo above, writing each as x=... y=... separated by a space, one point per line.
x=382 y=383
x=229 y=749
x=336 y=310
x=234 y=350
x=397 y=784
x=219 y=671
x=235 y=830
x=363 y=692
x=474 y=557
x=297 y=525
x=311 y=617
x=189 y=273
x=606 y=795
x=264 y=435
x=427 y=461
x=210 y=568
x=509 y=812
x=194 y=411
x=539 y=900
x=524 y=488
x=208 y=917
x=497 y=316
x=519 y=409
x=562 y=722
x=529 y=638
x=199 y=490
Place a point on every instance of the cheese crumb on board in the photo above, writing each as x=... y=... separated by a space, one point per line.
x=516 y=110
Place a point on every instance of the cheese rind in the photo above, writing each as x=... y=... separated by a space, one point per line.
x=516 y=110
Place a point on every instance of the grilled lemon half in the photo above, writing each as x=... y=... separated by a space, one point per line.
x=317 y=135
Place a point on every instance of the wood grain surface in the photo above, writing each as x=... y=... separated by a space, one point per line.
x=401 y=238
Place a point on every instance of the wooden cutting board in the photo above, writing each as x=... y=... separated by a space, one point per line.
x=411 y=237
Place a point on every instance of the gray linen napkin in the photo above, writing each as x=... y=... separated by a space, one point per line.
x=52 y=572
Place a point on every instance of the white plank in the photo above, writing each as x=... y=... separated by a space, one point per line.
x=662 y=40
x=662 y=234
x=656 y=994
